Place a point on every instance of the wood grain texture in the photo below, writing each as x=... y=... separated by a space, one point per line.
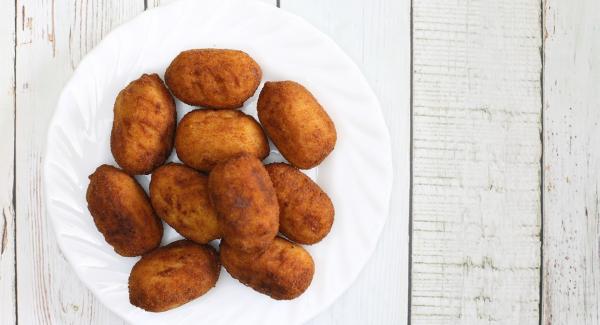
x=7 y=119
x=52 y=36
x=476 y=162
x=376 y=34
x=571 y=277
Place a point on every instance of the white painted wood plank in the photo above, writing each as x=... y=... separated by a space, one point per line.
x=156 y=3
x=376 y=34
x=7 y=119
x=476 y=162
x=52 y=36
x=571 y=269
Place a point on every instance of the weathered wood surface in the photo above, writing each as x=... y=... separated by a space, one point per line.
x=571 y=277
x=7 y=120
x=52 y=36
x=477 y=184
x=476 y=162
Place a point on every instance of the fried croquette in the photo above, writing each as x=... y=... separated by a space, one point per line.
x=144 y=125
x=122 y=212
x=305 y=211
x=283 y=271
x=213 y=78
x=173 y=275
x=296 y=123
x=205 y=138
x=243 y=195
x=179 y=195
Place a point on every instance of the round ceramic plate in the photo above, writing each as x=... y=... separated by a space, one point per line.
x=357 y=175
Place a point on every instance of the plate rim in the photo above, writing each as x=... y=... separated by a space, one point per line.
x=321 y=35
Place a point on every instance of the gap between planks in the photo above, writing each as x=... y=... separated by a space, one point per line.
x=411 y=167
x=543 y=149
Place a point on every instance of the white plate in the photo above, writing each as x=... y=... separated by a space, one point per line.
x=357 y=175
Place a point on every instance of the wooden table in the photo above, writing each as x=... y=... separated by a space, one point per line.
x=493 y=107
